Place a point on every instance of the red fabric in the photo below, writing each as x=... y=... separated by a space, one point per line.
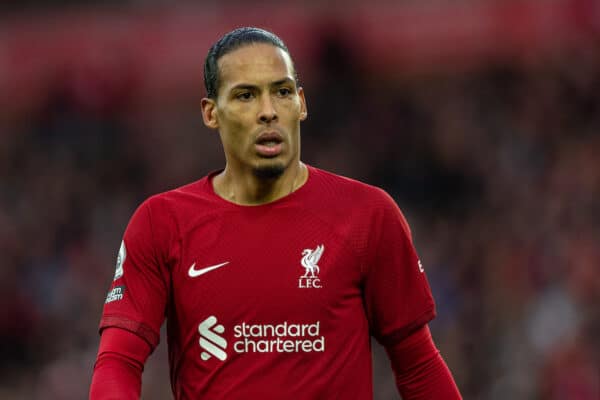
x=227 y=327
x=420 y=371
x=118 y=369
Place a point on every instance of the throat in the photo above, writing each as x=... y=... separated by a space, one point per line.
x=264 y=186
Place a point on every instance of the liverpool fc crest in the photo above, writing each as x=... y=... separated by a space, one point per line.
x=310 y=259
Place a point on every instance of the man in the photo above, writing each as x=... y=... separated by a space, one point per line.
x=272 y=274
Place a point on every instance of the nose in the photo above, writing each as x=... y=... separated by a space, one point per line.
x=267 y=112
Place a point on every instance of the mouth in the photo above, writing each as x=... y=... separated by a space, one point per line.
x=269 y=144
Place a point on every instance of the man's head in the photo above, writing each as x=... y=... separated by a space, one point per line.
x=254 y=102
x=230 y=42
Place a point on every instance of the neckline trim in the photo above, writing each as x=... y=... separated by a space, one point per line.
x=289 y=197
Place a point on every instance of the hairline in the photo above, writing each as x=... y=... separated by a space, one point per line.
x=292 y=78
x=212 y=90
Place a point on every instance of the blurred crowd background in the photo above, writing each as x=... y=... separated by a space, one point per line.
x=481 y=118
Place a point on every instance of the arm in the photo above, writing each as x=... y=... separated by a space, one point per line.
x=119 y=365
x=135 y=306
x=399 y=305
x=420 y=371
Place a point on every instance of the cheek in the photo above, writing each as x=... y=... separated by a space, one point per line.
x=233 y=126
x=236 y=134
x=294 y=109
x=240 y=117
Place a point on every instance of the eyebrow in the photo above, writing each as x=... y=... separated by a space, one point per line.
x=249 y=86
x=282 y=81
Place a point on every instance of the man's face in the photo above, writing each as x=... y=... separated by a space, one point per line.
x=258 y=109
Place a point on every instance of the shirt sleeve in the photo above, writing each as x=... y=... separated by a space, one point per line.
x=137 y=298
x=398 y=298
x=119 y=366
x=419 y=369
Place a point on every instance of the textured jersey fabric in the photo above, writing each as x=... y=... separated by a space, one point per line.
x=271 y=301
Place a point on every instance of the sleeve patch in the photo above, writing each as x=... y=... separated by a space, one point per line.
x=115 y=294
x=120 y=261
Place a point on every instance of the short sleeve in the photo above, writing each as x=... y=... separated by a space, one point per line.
x=137 y=298
x=398 y=298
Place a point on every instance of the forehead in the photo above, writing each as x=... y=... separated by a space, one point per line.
x=255 y=63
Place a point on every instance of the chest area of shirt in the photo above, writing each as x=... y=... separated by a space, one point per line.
x=266 y=266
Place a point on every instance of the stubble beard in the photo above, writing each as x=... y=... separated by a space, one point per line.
x=269 y=172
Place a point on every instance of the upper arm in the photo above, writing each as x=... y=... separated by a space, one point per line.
x=398 y=298
x=139 y=292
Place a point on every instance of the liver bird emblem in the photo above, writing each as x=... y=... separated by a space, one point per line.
x=309 y=261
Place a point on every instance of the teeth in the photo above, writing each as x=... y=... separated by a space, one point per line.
x=269 y=143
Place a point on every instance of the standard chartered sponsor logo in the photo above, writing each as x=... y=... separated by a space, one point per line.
x=285 y=337
x=280 y=338
x=210 y=341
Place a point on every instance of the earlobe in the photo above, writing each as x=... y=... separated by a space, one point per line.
x=303 y=110
x=209 y=113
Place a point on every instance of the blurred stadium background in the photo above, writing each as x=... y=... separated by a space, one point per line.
x=481 y=118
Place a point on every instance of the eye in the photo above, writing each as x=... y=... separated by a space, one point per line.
x=284 y=92
x=244 y=96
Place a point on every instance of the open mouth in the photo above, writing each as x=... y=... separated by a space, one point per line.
x=269 y=139
x=269 y=144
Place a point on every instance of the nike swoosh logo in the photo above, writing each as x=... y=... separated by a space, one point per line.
x=197 y=272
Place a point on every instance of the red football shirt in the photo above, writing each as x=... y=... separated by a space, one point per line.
x=276 y=301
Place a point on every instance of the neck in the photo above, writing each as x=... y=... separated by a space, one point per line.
x=250 y=189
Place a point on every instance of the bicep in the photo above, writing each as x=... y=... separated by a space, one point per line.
x=419 y=369
x=138 y=295
x=397 y=294
x=119 y=365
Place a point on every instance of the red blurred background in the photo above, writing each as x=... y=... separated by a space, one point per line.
x=481 y=118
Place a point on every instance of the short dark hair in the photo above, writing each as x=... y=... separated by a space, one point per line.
x=230 y=42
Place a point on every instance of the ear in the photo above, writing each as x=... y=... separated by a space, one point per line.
x=209 y=113
x=303 y=110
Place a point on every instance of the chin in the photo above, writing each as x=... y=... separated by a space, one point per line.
x=270 y=170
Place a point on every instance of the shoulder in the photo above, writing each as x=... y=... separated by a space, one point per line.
x=352 y=198
x=351 y=191
x=180 y=196
x=174 y=204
